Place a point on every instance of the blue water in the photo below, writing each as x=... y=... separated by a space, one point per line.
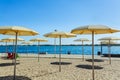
x=50 y=49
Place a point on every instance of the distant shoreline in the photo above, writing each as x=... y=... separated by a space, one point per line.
x=68 y=45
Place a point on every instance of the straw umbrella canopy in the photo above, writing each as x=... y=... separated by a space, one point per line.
x=38 y=40
x=6 y=41
x=11 y=39
x=93 y=29
x=27 y=43
x=17 y=31
x=106 y=42
x=109 y=39
x=59 y=34
x=55 y=44
x=82 y=40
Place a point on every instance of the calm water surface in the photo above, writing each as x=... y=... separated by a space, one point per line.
x=51 y=49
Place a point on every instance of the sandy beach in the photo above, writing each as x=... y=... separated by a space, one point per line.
x=29 y=68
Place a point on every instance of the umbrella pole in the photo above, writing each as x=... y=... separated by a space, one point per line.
x=60 y=56
x=27 y=49
x=38 y=50
x=6 y=47
x=93 y=55
x=55 y=47
x=13 y=50
x=109 y=53
x=101 y=47
x=14 y=78
x=13 y=45
x=82 y=52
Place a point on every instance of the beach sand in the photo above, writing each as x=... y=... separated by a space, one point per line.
x=31 y=69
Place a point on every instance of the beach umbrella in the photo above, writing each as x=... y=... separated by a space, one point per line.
x=11 y=39
x=1 y=41
x=27 y=43
x=93 y=29
x=105 y=42
x=38 y=40
x=6 y=41
x=59 y=34
x=55 y=45
x=82 y=40
x=109 y=39
x=17 y=31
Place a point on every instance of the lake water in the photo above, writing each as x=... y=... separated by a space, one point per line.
x=50 y=49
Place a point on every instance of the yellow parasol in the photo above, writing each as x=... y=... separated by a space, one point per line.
x=17 y=31
x=106 y=42
x=10 y=39
x=93 y=29
x=59 y=34
x=82 y=40
x=109 y=39
x=38 y=40
x=27 y=43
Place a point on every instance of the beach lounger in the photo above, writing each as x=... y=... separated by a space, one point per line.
x=9 y=55
x=12 y=56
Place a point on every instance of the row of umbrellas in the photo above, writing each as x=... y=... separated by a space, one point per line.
x=109 y=39
x=12 y=39
x=93 y=29
x=105 y=40
x=88 y=29
x=17 y=31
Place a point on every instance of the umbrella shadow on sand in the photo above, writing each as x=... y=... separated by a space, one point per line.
x=88 y=66
x=7 y=64
x=17 y=78
x=5 y=58
x=95 y=60
x=62 y=63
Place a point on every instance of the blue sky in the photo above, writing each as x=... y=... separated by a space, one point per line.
x=64 y=15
